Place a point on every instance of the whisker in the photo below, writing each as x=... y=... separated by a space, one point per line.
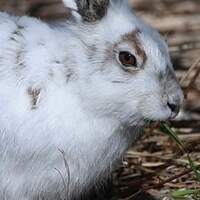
x=119 y=82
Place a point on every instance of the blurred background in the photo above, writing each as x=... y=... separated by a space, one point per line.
x=156 y=165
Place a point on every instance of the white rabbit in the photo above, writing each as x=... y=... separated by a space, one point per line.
x=74 y=96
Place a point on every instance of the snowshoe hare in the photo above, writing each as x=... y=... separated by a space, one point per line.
x=74 y=96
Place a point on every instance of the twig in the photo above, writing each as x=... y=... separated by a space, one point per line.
x=193 y=79
x=190 y=70
x=185 y=46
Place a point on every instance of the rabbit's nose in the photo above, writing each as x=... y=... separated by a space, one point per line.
x=174 y=107
x=174 y=101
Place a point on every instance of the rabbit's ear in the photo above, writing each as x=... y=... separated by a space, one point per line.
x=89 y=10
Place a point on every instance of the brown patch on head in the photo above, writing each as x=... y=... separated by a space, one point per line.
x=92 y=51
x=107 y=54
x=134 y=39
x=34 y=95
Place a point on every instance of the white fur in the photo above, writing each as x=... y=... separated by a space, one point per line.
x=79 y=109
x=70 y=4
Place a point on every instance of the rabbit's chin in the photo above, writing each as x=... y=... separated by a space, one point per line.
x=163 y=114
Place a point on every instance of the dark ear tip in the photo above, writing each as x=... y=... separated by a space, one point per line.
x=92 y=10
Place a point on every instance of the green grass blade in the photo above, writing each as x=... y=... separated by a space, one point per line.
x=194 y=167
x=184 y=193
x=172 y=135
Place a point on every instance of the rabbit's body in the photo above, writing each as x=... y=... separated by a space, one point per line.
x=67 y=112
x=40 y=114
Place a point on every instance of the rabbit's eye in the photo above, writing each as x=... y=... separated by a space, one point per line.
x=127 y=59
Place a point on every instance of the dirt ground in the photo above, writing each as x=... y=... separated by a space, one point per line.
x=155 y=166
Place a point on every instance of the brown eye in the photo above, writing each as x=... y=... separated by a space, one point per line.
x=127 y=59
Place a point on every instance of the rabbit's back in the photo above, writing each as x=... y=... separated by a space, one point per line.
x=29 y=50
x=31 y=62
x=39 y=113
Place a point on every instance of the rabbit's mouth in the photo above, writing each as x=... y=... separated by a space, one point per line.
x=159 y=108
x=166 y=114
x=152 y=123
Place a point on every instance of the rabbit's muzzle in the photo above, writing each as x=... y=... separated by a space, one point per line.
x=163 y=98
x=174 y=94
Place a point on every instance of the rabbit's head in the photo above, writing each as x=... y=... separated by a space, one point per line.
x=127 y=74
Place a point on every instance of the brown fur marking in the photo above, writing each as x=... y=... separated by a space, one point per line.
x=133 y=38
x=34 y=95
x=18 y=39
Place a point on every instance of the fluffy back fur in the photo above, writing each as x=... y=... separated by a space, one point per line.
x=70 y=106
